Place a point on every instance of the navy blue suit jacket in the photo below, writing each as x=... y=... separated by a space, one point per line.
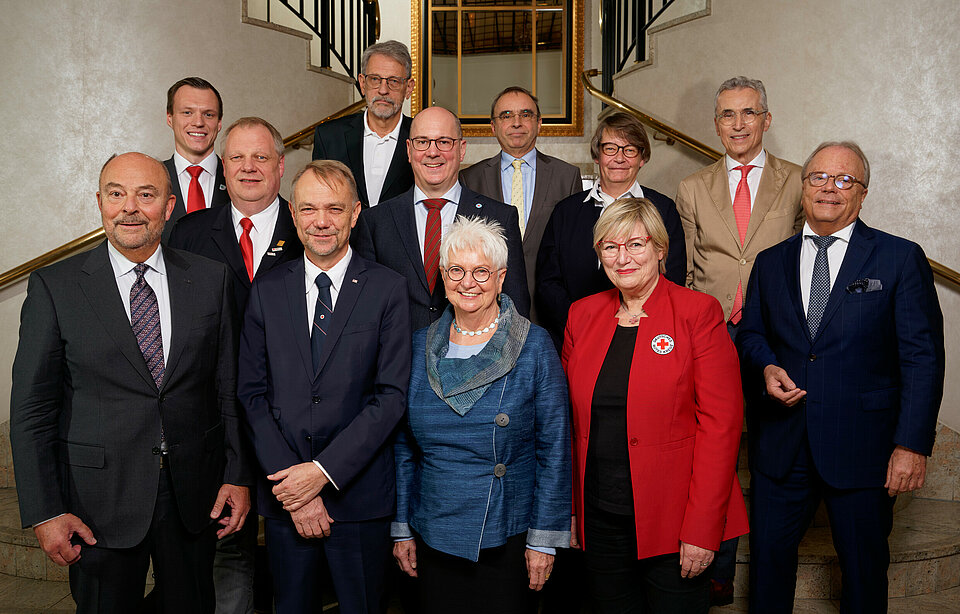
x=343 y=414
x=873 y=373
x=567 y=264
x=219 y=199
x=387 y=234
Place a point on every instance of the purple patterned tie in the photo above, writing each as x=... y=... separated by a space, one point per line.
x=145 y=321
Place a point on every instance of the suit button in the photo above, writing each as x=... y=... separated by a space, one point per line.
x=433 y=309
x=500 y=470
x=812 y=357
x=633 y=441
x=156 y=450
x=162 y=398
x=742 y=262
x=729 y=297
x=502 y=419
x=309 y=438
x=315 y=399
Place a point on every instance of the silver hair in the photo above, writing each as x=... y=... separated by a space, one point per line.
x=395 y=50
x=850 y=145
x=250 y=122
x=475 y=233
x=738 y=83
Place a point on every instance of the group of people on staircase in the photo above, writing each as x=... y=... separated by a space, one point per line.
x=490 y=372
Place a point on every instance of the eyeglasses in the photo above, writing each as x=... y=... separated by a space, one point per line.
x=525 y=115
x=444 y=143
x=611 y=149
x=634 y=247
x=393 y=83
x=748 y=116
x=480 y=274
x=843 y=182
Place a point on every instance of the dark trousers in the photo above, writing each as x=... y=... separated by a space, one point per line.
x=357 y=554
x=112 y=581
x=497 y=582
x=233 y=569
x=619 y=583
x=781 y=511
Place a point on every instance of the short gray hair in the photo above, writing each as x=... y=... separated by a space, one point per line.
x=332 y=173
x=475 y=233
x=850 y=145
x=739 y=83
x=395 y=50
x=249 y=122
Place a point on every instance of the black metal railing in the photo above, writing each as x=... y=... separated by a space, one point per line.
x=344 y=28
x=624 y=33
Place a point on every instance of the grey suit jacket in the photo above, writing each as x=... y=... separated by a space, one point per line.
x=85 y=413
x=555 y=180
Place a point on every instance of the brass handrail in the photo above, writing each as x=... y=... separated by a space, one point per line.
x=939 y=270
x=95 y=236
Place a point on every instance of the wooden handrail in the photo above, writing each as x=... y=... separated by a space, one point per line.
x=95 y=236
x=940 y=271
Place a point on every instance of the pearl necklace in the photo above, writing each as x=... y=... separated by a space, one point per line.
x=472 y=333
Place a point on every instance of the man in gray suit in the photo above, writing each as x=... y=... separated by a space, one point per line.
x=123 y=414
x=520 y=175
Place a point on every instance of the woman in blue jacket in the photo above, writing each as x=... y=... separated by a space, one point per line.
x=483 y=458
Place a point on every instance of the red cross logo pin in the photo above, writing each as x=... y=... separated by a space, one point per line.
x=662 y=344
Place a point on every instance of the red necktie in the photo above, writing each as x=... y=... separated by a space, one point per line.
x=195 y=200
x=431 y=240
x=246 y=246
x=741 y=212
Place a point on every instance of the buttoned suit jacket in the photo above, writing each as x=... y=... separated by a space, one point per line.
x=873 y=372
x=387 y=234
x=86 y=413
x=342 y=139
x=211 y=233
x=341 y=414
x=554 y=181
x=219 y=199
x=716 y=261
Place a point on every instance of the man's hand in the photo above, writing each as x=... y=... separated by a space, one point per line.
x=55 y=535
x=781 y=387
x=238 y=498
x=539 y=566
x=405 y=553
x=298 y=485
x=312 y=519
x=693 y=560
x=906 y=471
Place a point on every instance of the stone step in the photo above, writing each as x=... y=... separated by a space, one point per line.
x=945 y=602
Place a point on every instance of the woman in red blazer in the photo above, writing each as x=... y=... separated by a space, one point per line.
x=657 y=414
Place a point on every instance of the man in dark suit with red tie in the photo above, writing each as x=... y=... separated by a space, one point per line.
x=194 y=113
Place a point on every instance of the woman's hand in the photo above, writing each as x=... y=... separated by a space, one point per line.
x=539 y=566
x=406 y=554
x=693 y=560
x=574 y=542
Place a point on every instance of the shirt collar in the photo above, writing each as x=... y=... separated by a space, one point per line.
x=336 y=273
x=843 y=234
x=602 y=199
x=260 y=220
x=452 y=195
x=208 y=164
x=368 y=131
x=758 y=162
x=123 y=266
x=506 y=160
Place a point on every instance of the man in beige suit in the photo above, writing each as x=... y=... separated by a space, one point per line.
x=731 y=210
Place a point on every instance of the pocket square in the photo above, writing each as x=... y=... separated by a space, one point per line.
x=864 y=285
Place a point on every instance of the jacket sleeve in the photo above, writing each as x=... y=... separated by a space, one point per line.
x=515 y=285
x=676 y=261
x=553 y=301
x=239 y=467
x=755 y=352
x=688 y=219
x=319 y=152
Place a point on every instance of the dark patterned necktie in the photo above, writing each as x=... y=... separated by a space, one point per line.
x=819 y=284
x=431 y=240
x=145 y=321
x=321 y=319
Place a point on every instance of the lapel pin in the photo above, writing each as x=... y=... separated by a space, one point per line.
x=280 y=243
x=354 y=280
x=270 y=254
x=479 y=206
x=662 y=344
x=223 y=187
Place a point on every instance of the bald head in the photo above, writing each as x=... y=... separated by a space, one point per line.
x=436 y=149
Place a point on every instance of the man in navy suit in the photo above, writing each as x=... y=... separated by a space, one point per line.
x=371 y=143
x=842 y=342
x=324 y=364
x=398 y=233
x=194 y=113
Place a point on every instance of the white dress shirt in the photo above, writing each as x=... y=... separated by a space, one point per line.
x=448 y=214
x=156 y=276
x=753 y=177
x=207 y=179
x=261 y=234
x=377 y=153
x=808 y=254
x=604 y=200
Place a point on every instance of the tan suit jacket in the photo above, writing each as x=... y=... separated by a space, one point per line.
x=716 y=262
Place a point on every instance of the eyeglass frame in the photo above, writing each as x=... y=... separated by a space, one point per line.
x=490 y=273
x=523 y=114
x=620 y=148
x=436 y=142
x=369 y=80
x=646 y=242
x=732 y=118
x=827 y=177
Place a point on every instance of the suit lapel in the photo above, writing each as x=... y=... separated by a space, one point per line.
x=220 y=196
x=295 y=283
x=350 y=289
x=180 y=207
x=539 y=216
x=283 y=241
x=182 y=308
x=771 y=183
x=354 y=147
x=791 y=276
x=405 y=219
x=399 y=158
x=100 y=287
x=719 y=188
x=862 y=243
x=225 y=238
